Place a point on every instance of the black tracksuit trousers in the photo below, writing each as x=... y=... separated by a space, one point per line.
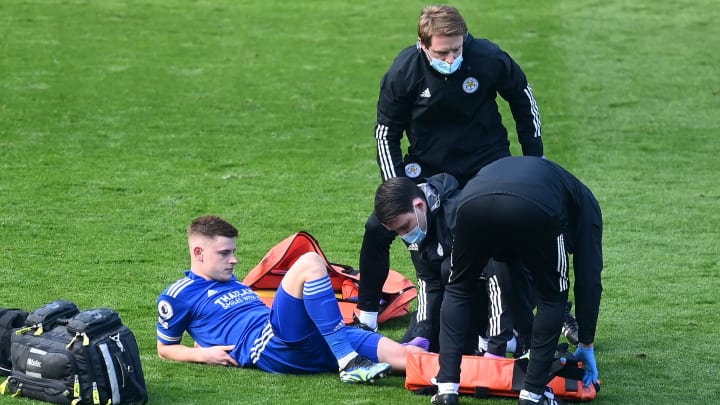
x=505 y=296
x=506 y=227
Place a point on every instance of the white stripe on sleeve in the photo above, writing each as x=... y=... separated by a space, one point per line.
x=384 y=158
x=534 y=111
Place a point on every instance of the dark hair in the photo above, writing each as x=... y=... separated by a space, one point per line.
x=212 y=226
x=395 y=197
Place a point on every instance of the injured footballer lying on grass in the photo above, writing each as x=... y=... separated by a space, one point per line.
x=302 y=333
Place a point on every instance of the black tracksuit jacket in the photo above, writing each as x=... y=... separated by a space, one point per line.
x=431 y=259
x=453 y=125
x=562 y=196
x=452 y=121
x=536 y=210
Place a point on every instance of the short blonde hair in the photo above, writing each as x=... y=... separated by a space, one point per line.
x=440 y=20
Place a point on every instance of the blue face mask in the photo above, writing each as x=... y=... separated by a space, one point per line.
x=416 y=235
x=444 y=67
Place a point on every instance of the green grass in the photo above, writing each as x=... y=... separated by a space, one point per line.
x=120 y=121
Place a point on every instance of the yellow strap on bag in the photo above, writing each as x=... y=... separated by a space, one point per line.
x=95 y=394
x=69 y=345
x=23 y=330
x=76 y=388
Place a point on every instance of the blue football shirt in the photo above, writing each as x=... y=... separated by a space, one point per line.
x=213 y=313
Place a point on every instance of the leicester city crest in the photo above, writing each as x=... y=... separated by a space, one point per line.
x=412 y=170
x=470 y=85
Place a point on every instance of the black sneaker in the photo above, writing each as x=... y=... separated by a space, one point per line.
x=363 y=370
x=357 y=324
x=522 y=349
x=570 y=326
x=444 y=399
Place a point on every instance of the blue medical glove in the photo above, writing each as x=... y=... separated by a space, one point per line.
x=587 y=356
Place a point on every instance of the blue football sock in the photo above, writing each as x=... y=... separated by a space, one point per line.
x=322 y=307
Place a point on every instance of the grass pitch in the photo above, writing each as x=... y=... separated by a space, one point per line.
x=120 y=121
